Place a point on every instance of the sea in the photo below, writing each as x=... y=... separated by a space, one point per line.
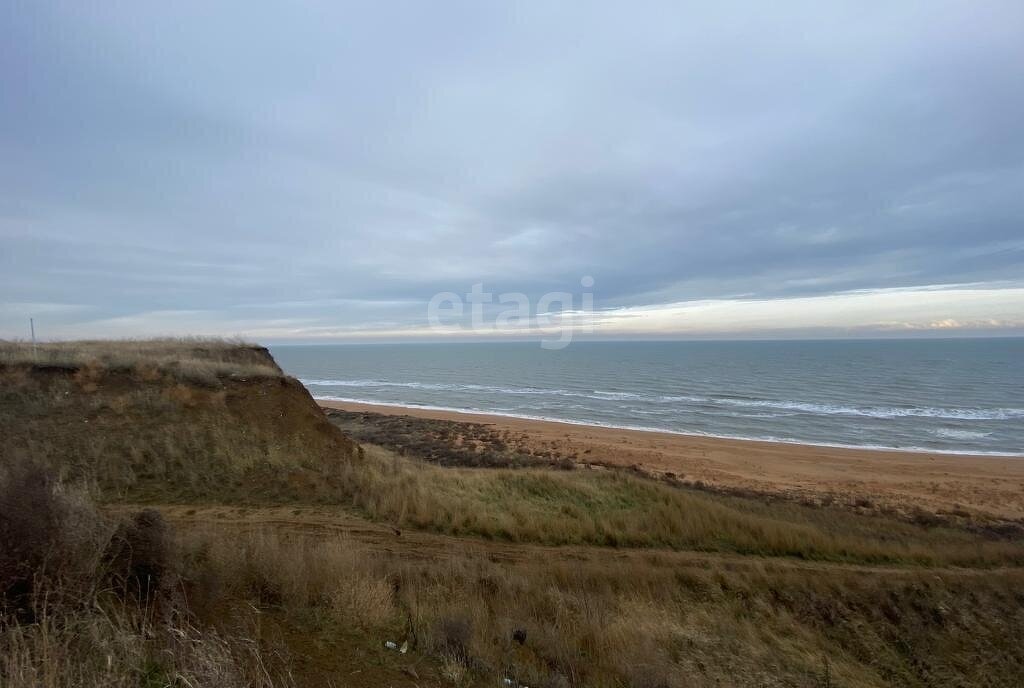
x=948 y=395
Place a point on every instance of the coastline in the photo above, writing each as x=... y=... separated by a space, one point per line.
x=986 y=485
x=322 y=400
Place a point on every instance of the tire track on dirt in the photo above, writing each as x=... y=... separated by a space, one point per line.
x=413 y=545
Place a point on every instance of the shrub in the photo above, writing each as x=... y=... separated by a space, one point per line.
x=76 y=600
x=29 y=523
x=51 y=538
x=452 y=637
x=139 y=554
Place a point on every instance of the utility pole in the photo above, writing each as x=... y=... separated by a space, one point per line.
x=32 y=327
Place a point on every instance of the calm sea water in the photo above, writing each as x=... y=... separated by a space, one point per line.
x=950 y=395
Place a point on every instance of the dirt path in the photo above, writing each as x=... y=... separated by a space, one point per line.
x=409 y=545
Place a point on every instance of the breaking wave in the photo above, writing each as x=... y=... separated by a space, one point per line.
x=793 y=407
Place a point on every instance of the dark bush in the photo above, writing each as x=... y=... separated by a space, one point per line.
x=31 y=518
x=138 y=556
x=54 y=543
x=444 y=442
x=925 y=518
x=453 y=635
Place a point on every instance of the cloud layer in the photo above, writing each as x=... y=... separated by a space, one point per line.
x=322 y=172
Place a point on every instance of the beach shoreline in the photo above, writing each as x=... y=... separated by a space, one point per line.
x=979 y=484
x=323 y=401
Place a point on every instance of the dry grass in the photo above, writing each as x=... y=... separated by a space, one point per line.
x=614 y=508
x=190 y=360
x=86 y=601
x=120 y=646
x=446 y=442
x=148 y=432
x=651 y=622
x=272 y=570
x=544 y=620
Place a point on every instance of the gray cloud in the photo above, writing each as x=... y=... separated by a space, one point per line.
x=340 y=164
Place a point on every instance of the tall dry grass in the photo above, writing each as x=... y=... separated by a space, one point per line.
x=614 y=508
x=543 y=619
x=121 y=647
x=87 y=601
x=550 y=620
x=191 y=360
x=271 y=569
x=151 y=434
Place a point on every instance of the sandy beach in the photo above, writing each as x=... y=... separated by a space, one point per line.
x=985 y=486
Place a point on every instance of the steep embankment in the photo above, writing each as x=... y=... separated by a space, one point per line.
x=201 y=421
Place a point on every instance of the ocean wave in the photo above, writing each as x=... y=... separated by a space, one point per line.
x=880 y=412
x=435 y=386
x=954 y=434
x=597 y=394
x=671 y=398
x=611 y=396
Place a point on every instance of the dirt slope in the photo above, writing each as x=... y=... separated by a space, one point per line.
x=178 y=432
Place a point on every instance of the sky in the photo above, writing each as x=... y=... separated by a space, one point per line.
x=323 y=171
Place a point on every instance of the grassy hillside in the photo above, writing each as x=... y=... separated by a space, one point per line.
x=291 y=552
x=187 y=418
x=648 y=621
x=618 y=509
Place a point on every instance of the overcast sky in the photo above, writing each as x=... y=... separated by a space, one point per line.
x=321 y=171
